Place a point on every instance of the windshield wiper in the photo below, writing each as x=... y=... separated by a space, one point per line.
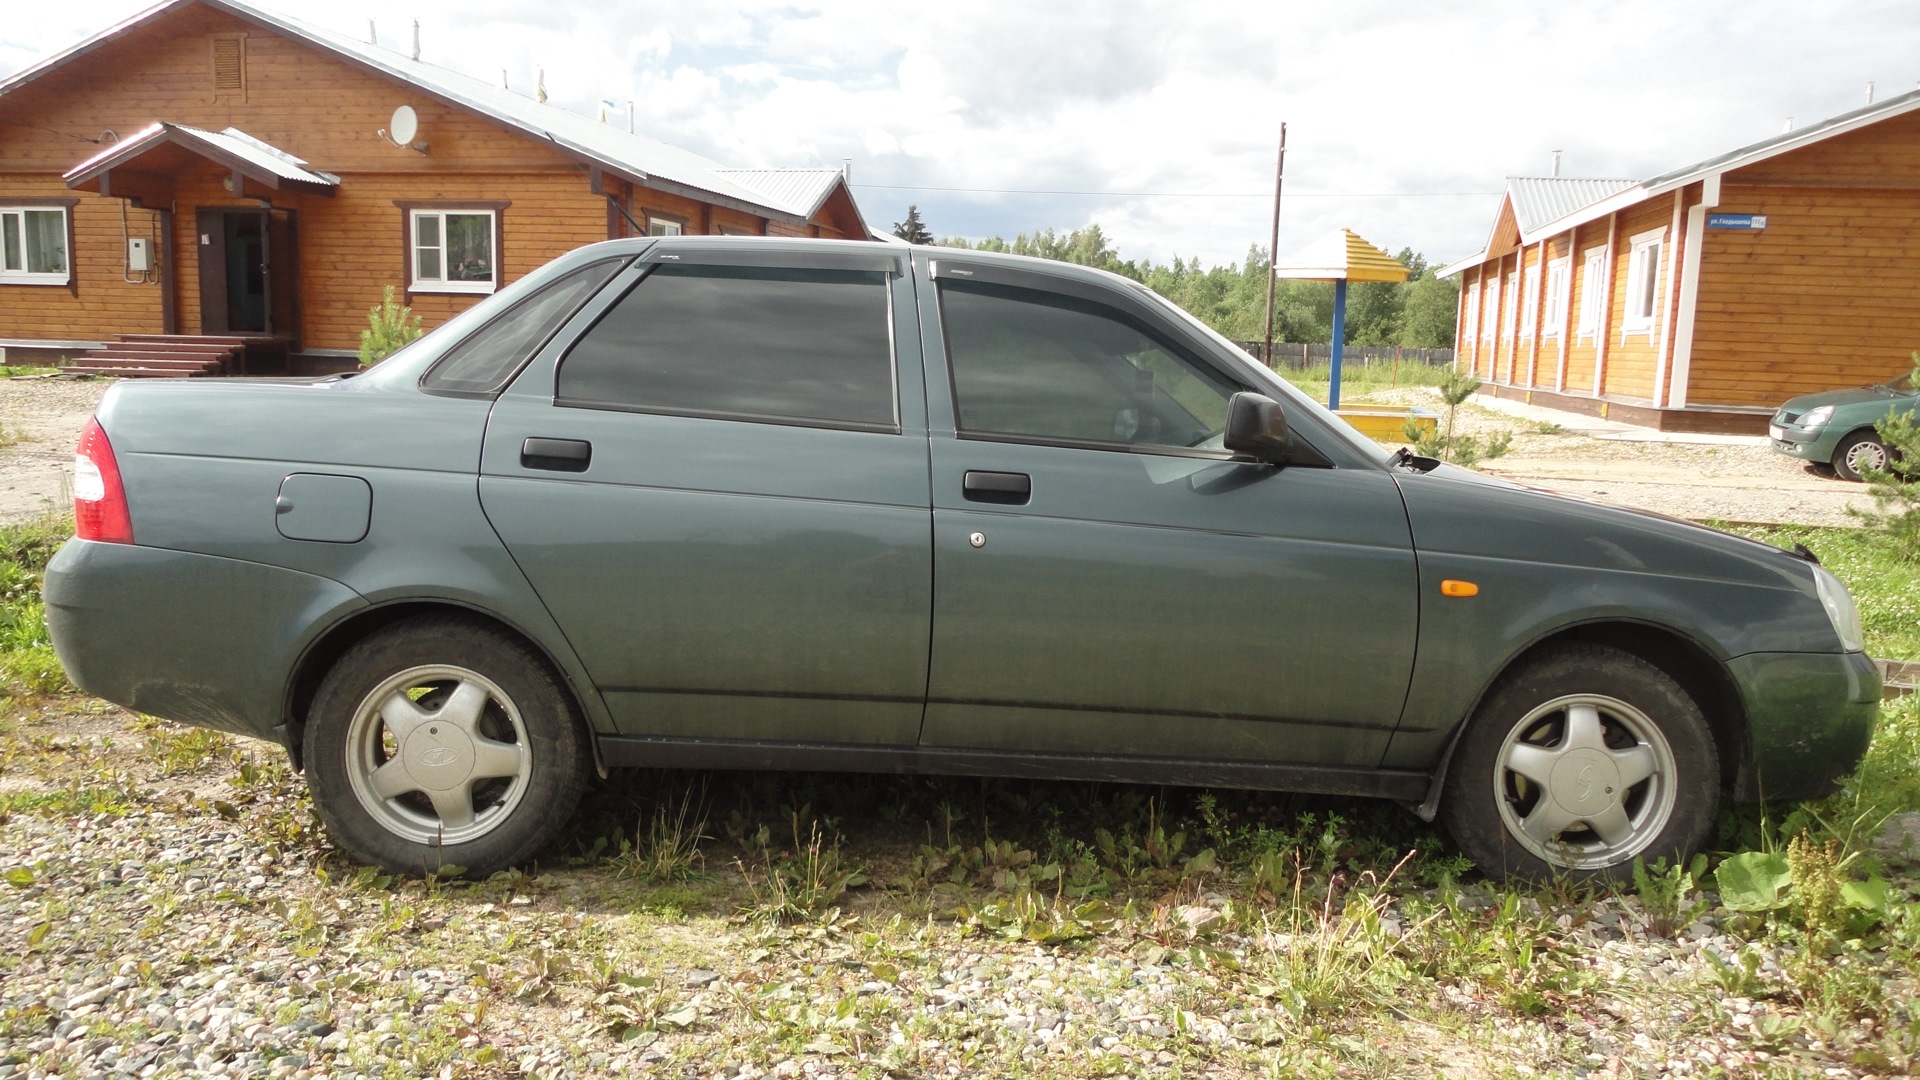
x=1405 y=458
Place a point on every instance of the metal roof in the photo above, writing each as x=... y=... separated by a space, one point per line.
x=234 y=148
x=804 y=189
x=634 y=156
x=1538 y=200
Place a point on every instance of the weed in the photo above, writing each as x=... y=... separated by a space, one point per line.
x=666 y=844
x=1669 y=894
x=800 y=882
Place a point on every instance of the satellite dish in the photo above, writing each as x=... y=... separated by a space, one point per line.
x=404 y=125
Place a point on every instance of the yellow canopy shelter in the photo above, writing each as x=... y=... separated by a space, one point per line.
x=1340 y=257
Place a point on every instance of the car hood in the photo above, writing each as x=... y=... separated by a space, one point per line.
x=1464 y=512
x=1851 y=396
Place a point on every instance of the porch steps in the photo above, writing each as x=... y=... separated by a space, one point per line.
x=162 y=356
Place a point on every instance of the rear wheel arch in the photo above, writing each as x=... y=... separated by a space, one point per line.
x=1704 y=678
x=326 y=650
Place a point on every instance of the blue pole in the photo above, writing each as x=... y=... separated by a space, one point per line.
x=1339 y=339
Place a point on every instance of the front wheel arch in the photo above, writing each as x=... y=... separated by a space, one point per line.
x=327 y=649
x=1683 y=659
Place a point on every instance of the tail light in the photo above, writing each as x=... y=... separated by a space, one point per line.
x=99 y=499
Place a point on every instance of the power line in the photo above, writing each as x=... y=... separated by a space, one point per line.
x=1192 y=194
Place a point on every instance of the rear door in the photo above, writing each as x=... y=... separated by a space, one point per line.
x=1108 y=579
x=719 y=488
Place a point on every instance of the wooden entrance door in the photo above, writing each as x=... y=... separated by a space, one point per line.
x=249 y=271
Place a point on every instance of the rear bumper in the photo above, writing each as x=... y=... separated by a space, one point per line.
x=1810 y=717
x=195 y=638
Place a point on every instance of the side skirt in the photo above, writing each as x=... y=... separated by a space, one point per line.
x=641 y=752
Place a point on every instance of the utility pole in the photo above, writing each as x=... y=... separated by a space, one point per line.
x=1279 y=175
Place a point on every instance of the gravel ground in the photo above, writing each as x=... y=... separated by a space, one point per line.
x=1734 y=482
x=194 y=924
x=40 y=422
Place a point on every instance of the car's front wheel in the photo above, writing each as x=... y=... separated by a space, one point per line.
x=1858 y=454
x=438 y=742
x=1578 y=763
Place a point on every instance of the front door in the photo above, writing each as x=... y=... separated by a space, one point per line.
x=1108 y=580
x=247 y=270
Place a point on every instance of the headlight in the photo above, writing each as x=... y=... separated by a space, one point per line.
x=1816 y=417
x=1840 y=610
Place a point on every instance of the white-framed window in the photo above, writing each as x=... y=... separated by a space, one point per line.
x=1593 y=292
x=1513 y=309
x=1492 y=318
x=1643 y=283
x=1558 y=291
x=454 y=250
x=1472 y=309
x=33 y=246
x=1530 y=301
x=661 y=225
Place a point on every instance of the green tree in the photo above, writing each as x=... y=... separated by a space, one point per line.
x=913 y=230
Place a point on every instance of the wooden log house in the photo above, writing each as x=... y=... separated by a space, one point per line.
x=214 y=171
x=1701 y=299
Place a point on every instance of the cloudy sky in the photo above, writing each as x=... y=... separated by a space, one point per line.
x=1158 y=121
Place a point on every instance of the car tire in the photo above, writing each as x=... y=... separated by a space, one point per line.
x=1578 y=763
x=438 y=742
x=1857 y=452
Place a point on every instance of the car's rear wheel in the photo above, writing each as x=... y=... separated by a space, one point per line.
x=438 y=742
x=1577 y=764
x=1858 y=453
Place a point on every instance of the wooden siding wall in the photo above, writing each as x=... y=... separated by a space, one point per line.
x=1582 y=351
x=1631 y=360
x=1823 y=297
x=328 y=112
x=100 y=296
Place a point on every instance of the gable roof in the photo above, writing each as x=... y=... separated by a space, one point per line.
x=762 y=192
x=1544 y=195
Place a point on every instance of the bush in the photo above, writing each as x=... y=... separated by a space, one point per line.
x=390 y=326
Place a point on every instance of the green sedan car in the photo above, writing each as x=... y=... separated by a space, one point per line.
x=755 y=504
x=1836 y=428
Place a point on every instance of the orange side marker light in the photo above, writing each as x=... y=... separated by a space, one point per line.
x=1456 y=587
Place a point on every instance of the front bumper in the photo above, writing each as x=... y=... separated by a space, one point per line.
x=200 y=639
x=1809 y=719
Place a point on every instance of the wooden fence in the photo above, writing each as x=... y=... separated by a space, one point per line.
x=1295 y=355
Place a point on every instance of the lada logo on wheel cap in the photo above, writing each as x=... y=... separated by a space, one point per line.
x=439 y=755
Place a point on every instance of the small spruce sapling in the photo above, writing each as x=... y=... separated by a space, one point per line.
x=390 y=325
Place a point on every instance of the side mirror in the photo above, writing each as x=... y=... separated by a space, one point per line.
x=1257 y=427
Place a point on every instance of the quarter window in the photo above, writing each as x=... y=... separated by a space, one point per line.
x=769 y=344
x=484 y=362
x=454 y=251
x=1036 y=365
x=33 y=246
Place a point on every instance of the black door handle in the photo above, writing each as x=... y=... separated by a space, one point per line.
x=556 y=455
x=1011 y=488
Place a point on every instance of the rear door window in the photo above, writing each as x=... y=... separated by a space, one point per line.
x=772 y=344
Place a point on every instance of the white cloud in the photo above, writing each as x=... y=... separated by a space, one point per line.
x=1129 y=96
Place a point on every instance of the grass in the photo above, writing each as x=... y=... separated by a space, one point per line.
x=1886 y=588
x=1360 y=377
